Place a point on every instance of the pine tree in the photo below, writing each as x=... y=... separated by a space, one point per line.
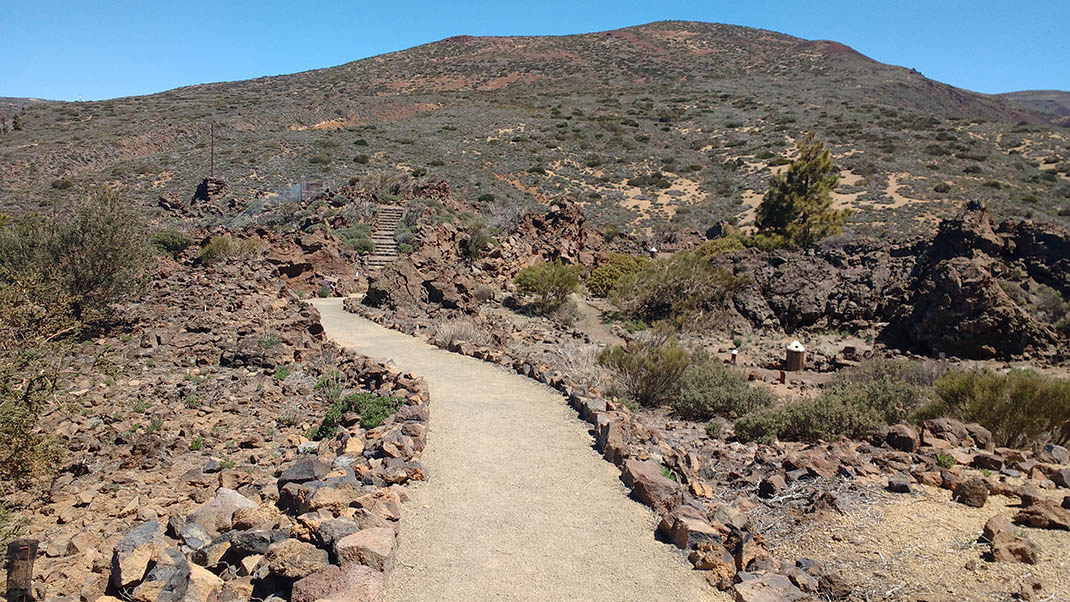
x=798 y=205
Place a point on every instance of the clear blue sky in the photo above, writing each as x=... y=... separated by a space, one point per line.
x=103 y=49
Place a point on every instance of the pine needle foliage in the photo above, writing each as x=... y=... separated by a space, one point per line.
x=798 y=205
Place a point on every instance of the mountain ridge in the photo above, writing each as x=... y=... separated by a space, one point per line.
x=604 y=108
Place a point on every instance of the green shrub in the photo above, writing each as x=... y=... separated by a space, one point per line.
x=604 y=280
x=549 y=283
x=100 y=250
x=170 y=241
x=267 y=341
x=855 y=404
x=942 y=188
x=478 y=240
x=224 y=247
x=762 y=427
x=283 y=372
x=649 y=369
x=714 y=428
x=945 y=460
x=372 y=408
x=717 y=246
x=61 y=184
x=684 y=287
x=362 y=159
x=710 y=388
x=1019 y=407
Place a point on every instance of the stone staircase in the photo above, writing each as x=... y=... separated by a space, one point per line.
x=387 y=219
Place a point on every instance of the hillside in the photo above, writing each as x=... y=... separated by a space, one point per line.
x=705 y=110
x=1055 y=103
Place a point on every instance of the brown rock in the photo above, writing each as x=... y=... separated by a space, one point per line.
x=375 y=547
x=988 y=462
x=133 y=554
x=352 y=582
x=903 y=438
x=649 y=486
x=972 y=492
x=295 y=559
x=1044 y=514
x=713 y=557
x=768 y=588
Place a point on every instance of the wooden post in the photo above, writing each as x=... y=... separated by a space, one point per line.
x=21 y=554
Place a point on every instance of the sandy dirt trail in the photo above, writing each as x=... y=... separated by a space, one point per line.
x=518 y=506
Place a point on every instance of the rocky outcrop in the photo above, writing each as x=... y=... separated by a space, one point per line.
x=953 y=302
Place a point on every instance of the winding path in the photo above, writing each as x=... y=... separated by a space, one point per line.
x=518 y=506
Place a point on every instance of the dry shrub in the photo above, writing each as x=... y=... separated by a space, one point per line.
x=460 y=331
x=225 y=247
x=580 y=363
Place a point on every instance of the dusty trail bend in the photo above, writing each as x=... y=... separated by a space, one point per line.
x=518 y=506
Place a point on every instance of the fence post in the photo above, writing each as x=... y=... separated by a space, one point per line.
x=21 y=555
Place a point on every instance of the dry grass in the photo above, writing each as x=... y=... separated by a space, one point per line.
x=580 y=362
x=458 y=331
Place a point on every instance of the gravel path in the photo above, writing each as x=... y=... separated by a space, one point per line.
x=518 y=505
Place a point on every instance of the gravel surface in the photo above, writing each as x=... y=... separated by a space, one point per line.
x=518 y=506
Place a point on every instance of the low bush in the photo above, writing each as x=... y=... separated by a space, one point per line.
x=710 y=388
x=457 y=331
x=224 y=247
x=11 y=525
x=171 y=242
x=373 y=410
x=684 y=287
x=717 y=246
x=650 y=369
x=478 y=241
x=604 y=280
x=857 y=403
x=548 y=283
x=1019 y=407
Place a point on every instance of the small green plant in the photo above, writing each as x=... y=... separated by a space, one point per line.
x=1019 y=407
x=323 y=292
x=170 y=242
x=196 y=444
x=986 y=472
x=155 y=424
x=373 y=410
x=478 y=240
x=668 y=474
x=269 y=340
x=549 y=283
x=226 y=464
x=710 y=388
x=282 y=372
x=945 y=460
x=330 y=384
x=141 y=406
x=11 y=524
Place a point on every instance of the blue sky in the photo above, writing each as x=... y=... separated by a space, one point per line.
x=104 y=49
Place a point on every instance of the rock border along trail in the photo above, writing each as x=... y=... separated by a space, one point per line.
x=518 y=506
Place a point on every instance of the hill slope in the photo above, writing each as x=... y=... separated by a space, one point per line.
x=1055 y=103
x=711 y=108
